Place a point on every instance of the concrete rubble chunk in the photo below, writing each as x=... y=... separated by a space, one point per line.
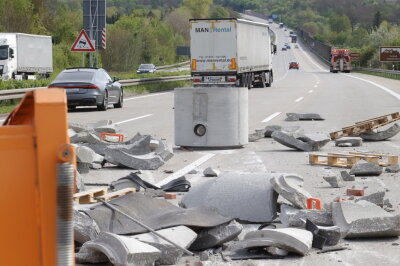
x=354 y=141
x=270 y=129
x=302 y=116
x=344 y=145
x=138 y=147
x=392 y=168
x=164 y=150
x=256 y=136
x=346 y=176
x=111 y=128
x=180 y=235
x=120 y=251
x=334 y=180
x=83 y=168
x=80 y=185
x=87 y=155
x=211 y=172
x=277 y=251
x=291 y=239
x=381 y=135
x=306 y=142
x=293 y=217
x=290 y=187
x=150 y=161
x=209 y=238
x=366 y=169
x=289 y=130
x=154 y=144
x=364 y=219
x=375 y=198
x=85 y=228
x=323 y=235
x=244 y=196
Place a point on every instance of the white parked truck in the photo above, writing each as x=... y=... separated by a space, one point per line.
x=24 y=55
x=230 y=52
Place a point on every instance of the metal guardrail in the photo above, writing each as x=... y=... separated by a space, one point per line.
x=19 y=93
x=173 y=65
x=378 y=70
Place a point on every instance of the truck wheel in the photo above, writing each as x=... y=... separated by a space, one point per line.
x=104 y=105
x=263 y=80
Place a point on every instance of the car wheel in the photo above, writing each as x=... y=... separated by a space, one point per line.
x=120 y=102
x=104 y=105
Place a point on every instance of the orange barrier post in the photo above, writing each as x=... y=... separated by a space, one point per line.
x=313 y=203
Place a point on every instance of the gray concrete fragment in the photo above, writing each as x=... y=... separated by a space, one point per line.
x=291 y=239
x=138 y=147
x=244 y=196
x=120 y=251
x=87 y=155
x=292 y=217
x=180 y=235
x=80 y=185
x=290 y=187
x=210 y=172
x=392 y=168
x=333 y=180
x=83 y=168
x=111 y=128
x=154 y=144
x=289 y=130
x=270 y=129
x=255 y=136
x=306 y=142
x=375 y=198
x=364 y=219
x=79 y=127
x=302 y=116
x=209 y=238
x=331 y=233
x=96 y=166
x=79 y=137
x=366 y=169
x=316 y=140
x=381 y=135
x=85 y=228
x=354 y=141
x=164 y=150
x=277 y=251
x=71 y=133
x=346 y=176
x=344 y=145
x=150 y=161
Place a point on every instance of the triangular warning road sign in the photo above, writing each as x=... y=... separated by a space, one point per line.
x=83 y=43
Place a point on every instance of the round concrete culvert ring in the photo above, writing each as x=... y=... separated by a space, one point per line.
x=200 y=130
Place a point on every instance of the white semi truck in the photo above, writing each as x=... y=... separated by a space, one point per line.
x=231 y=52
x=24 y=55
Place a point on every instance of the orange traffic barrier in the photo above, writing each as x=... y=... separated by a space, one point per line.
x=313 y=203
x=37 y=178
x=103 y=136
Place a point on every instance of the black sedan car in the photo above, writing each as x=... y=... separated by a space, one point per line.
x=90 y=87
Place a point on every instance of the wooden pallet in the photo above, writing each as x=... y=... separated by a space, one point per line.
x=390 y=159
x=89 y=196
x=116 y=194
x=348 y=160
x=366 y=125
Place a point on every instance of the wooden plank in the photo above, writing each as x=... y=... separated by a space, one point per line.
x=89 y=196
x=117 y=194
x=336 y=160
x=390 y=159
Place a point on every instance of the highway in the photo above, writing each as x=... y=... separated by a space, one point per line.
x=342 y=99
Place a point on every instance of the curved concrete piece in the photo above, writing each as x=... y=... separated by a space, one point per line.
x=292 y=217
x=290 y=187
x=291 y=239
x=85 y=228
x=381 y=135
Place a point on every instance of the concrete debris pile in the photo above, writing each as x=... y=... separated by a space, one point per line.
x=95 y=149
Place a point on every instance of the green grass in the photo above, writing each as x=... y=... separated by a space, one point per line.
x=155 y=87
x=132 y=75
x=8 y=105
x=19 y=84
x=385 y=75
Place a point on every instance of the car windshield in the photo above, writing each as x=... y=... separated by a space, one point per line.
x=3 y=52
x=75 y=76
x=146 y=66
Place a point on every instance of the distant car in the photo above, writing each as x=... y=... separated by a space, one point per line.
x=287 y=46
x=89 y=87
x=296 y=46
x=285 y=29
x=283 y=48
x=294 y=65
x=146 y=68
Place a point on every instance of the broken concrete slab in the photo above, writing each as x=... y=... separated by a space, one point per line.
x=392 y=168
x=164 y=150
x=290 y=187
x=120 y=251
x=375 y=198
x=255 y=136
x=323 y=235
x=209 y=238
x=291 y=239
x=110 y=128
x=80 y=185
x=180 y=235
x=354 y=141
x=346 y=176
x=293 y=217
x=150 y=161
x=289 y=130
x=244 y=196
x=366 y=169
x=334 y=180
x=210 y=172
x=83 y=168
x=306 y=142
x=85 y=228
x=302 y=116
x=364 y=219
x=87 y=155
x=139 y=147
x=270 y=129
x=381 y=135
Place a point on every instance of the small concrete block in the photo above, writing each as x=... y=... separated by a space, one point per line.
x=210 y=172
x=302 y=116
x=354 y=141
x=366 y=169
x=355 y=192
x=392 y=169
x=290 y=187
x=346 y=176
x=333 y=180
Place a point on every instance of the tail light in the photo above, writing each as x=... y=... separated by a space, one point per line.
x=75 y=87
x=196 y=79
x=194 y=64
x=231 y=79
x=233 y=65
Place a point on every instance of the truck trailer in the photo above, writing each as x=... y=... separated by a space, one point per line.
x=230 y=52
x=24 y=55
x=340 y=60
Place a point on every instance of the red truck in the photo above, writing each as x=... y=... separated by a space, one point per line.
x=340 y=60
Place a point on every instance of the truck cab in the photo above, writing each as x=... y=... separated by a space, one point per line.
x=6 y=59
x=340 y=60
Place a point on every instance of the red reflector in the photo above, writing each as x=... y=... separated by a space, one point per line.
x=197 y=80
x=231 y=79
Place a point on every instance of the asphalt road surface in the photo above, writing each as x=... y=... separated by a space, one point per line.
x=342 y=99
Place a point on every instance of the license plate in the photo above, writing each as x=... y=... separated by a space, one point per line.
x=214 y=79
x=72 y=90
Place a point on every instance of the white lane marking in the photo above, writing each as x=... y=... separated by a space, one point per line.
x=271 y=117
x=310 y=91
x=146 y=96
x=186 y=169
x=312 y=60
x=133 y=119
x=394 y=94
x=299 y=99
